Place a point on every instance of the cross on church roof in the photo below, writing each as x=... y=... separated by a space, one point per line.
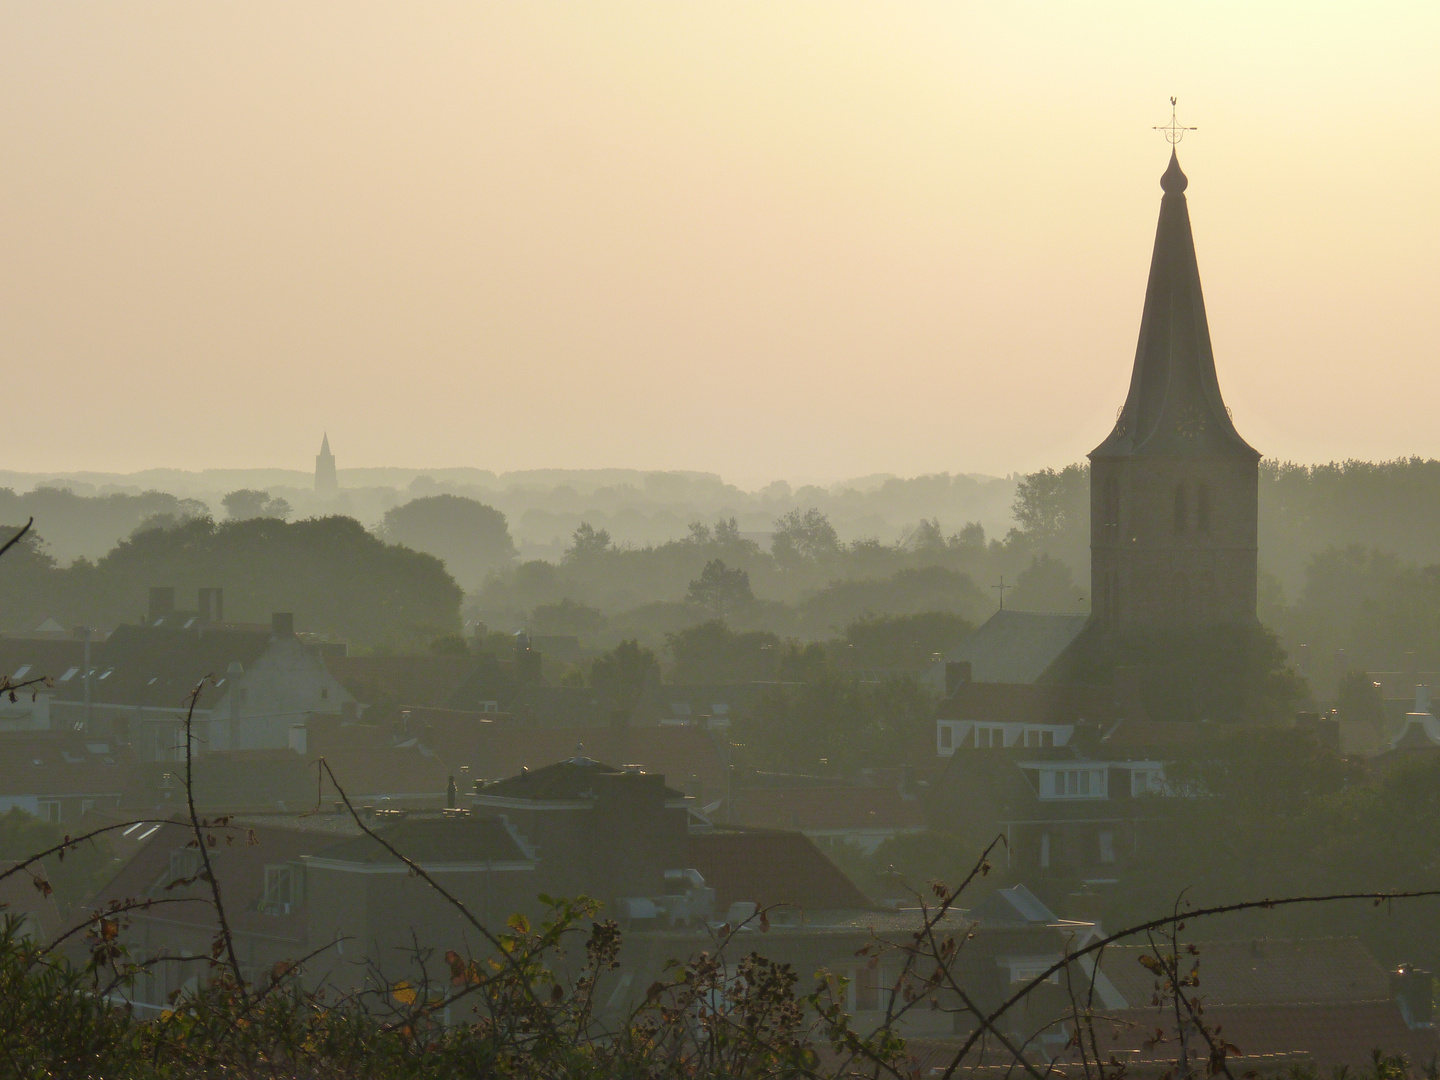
x=1174 y=131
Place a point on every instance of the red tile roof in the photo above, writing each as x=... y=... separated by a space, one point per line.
x=1334 y=1034
x=498 y=747
x=1263 y=972
x=239 y=868
x=55 y=763
x=834 y=807
x=770 y=867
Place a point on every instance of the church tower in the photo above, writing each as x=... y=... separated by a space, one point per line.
x=325 y=481
x=1173 y=490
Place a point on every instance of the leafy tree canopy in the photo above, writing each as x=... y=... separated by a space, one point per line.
x=247 y=503
x=471 y=537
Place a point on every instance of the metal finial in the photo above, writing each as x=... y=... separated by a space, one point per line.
x=1001 y=590
x=1174 y=131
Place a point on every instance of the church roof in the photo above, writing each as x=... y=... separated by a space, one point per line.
x=1174 y=408
x=1017 y=646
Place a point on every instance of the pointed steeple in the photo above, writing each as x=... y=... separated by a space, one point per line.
x=1174 y=408
x=326 y=482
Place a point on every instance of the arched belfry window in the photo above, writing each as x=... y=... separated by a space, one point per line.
x=1111 y=507
x=1182 y=515
x=1202 y=508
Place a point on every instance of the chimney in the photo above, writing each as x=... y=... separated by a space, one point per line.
x=282 y=624
x=212 y=605
x=957 y=674
x=162 y=601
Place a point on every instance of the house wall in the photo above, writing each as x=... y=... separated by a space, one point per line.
x=282 y=688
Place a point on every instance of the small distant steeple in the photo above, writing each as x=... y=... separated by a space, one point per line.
x=325 y=481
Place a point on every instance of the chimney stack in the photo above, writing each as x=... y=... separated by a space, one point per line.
x=957 y=674
x=162 y=601
x=212 y=605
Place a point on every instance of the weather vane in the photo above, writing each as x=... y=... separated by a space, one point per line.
x=1174 y=131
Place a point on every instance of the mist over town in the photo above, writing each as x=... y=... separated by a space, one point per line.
x=869 y=610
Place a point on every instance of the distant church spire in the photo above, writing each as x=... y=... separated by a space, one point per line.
x=325 y=481
x=1174 y=407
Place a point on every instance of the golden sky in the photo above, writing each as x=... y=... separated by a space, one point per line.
x=785 y=239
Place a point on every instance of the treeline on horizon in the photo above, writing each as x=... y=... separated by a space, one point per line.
x=1350 y=567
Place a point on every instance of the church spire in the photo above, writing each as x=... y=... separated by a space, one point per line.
x=1174 y=408
x=326 y=482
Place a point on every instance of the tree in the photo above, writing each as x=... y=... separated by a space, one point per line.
x=622 y=674
x=1359 y=701
x=586 y=544
x=720 y=590
x=1046 y=585
x=471 y=537
x=334 y=575
x=1050 y=505
x=900 y=641
x=834 y=724
x=802 y=538
x=247 y=503
x=713 y=653
x=567 y=617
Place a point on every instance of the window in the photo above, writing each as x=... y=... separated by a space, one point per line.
x=947 y=737
x=324 y=693
x=1111 y=503
x=867 y=989
x=1202 y=508
x=184 y=863
x=990 y=737
x=1107 y=847
x=50 y=811
x=1180 y=509
x=1074 y=784
x=281 y=890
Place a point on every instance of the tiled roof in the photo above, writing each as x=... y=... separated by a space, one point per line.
x=40 y=656
x=834 y=807
x=393 y=772
x=492 y=747
x=572 y=778
x=63 y=763
x=1263 y=972
x=239 y=868
x=771 y=867
x=418 y=680
x=158 y=666
x=430 y=839
x=1017 y=646
x=1028 y=703
x=1327 y=1035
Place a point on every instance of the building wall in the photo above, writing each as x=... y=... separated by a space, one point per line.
x=282 y=688
x=1182 y=549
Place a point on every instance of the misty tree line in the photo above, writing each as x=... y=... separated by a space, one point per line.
x=1348 y=557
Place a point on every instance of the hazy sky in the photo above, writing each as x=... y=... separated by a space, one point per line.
x=769 y=240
